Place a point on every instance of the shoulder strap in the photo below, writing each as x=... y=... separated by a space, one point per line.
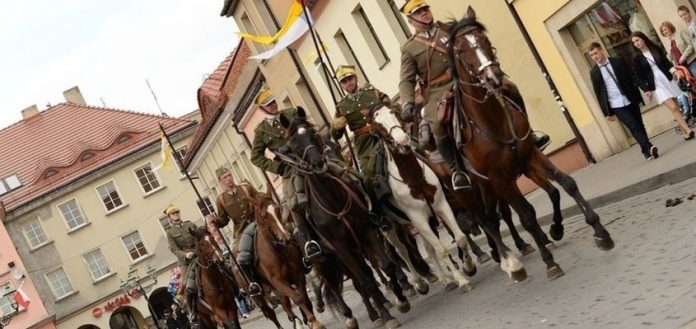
x=429 y=44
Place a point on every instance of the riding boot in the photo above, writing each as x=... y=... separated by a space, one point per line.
x=541 y=140
x=311 y=248
x=191 y=308
x=448 y=150
x=254 y=288
x=377 y=216
x=426 y=141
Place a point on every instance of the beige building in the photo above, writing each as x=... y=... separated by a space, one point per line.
x=89 y=207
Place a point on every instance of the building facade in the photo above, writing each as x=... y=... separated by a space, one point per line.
x=88 y=209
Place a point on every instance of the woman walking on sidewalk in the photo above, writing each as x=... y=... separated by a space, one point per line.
x=655 y=74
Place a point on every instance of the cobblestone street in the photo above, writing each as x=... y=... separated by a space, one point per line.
x=646 y=281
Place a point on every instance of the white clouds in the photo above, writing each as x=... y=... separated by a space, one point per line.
x=112 y=49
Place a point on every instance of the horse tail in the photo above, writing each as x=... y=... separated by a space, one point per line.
x=332 y=276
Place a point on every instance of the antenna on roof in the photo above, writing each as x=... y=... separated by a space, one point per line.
x=102 y=100
x=155 y=97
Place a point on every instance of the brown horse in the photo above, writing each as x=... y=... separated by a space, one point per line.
x=339 y=217
x=216 y=305
x=495 y=138
x=280 y=260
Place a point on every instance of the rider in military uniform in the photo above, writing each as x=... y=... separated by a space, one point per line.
x=355 y=110
x=233 y=205
x=269 y=135
x=182 y=244
x=424 y=56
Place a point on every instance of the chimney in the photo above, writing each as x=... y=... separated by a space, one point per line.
x=74 y=96
x=30 y=112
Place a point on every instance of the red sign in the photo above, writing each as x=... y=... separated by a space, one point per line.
x=97 y=312
x=112 y=305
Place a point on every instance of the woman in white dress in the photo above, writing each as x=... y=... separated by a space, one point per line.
x=655 y=74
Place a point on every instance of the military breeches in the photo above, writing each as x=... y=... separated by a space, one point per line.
x=293 y=190
x=430 y=109
x=190 y=278
x=246 y=241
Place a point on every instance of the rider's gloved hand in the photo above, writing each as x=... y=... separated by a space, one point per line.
x=408 y=112
x=339 y=123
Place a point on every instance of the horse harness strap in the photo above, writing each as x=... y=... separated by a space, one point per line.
x=341 y=216
x=368 y=128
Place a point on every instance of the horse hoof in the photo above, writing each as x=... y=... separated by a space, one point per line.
x=527 y=249
x=422 y=288
x=470 y=273
x=556 y=232
x=604 y=244
x=551 y=246
x=403 y=307
x=519 y=276
x=298 y=324
x=483 y=259
x=318 y=325
x=352 y=323
x=451 y=286
x=432 y=278
x=495 y=256
x=465 y=288
x=554 y=272
x=379 y=323
x=410 y=292
x=388 y=304
x=393 y=324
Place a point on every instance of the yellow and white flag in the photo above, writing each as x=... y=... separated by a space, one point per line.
x=165 y=152
x=295 y=12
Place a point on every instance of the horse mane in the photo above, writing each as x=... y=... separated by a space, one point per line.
x=456 y=26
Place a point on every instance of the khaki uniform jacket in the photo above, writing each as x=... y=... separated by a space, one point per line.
x=180 y=242
x=234 y=205
x=270 y=136
x=356 y=109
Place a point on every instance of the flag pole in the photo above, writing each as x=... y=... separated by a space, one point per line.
x=195 y=189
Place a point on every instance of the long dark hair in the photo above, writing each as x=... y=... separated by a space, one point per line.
x=655 y=50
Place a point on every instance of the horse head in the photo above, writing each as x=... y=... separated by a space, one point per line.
x=269 y=216
x=391 y=129
x=304 y=142
x=207 y=250
x=471 y=53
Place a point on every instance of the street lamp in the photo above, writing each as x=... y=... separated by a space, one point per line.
x=7 y=318
x=134 y=284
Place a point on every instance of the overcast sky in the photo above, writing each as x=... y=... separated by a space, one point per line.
x=108 y=48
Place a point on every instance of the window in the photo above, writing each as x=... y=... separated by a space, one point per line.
x=180 y=154
x=147 y=178
x=6 y=298
x=59 y=283
x=164 y=221
x=9 y=183
x=349 y=54
x=248 y=27
x=96 y=263
x=395 y=19
x=34 y=233
x=370 y=36
x=71 y=214
x=134 y=245
x=206 y=208
x=109 y=196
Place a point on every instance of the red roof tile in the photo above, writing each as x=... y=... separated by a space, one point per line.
x=48 y=150
x=214 y=94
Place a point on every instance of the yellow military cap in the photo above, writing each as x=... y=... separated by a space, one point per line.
x=170 y=209
x=265 y=97
x=221 y=171
x=345 y=71
x=412 y=5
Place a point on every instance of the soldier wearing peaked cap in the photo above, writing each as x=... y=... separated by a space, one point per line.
x=269 y=135
x=233 y=206
x=354 y=110
x=182 y=244
x=424 y=56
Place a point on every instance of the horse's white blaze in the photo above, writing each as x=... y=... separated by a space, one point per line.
x=388 y=120
x=271 y=210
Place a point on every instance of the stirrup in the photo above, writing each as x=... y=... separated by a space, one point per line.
x=254 y=289
x=460 y=181
x=312 y=249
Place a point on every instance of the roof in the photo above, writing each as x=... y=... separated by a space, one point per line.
x=67 y=141
x=214 y=93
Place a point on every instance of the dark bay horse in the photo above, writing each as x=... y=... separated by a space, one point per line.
x=495 y=138
x=217 y=285
x=280 y=260
x=340 y=219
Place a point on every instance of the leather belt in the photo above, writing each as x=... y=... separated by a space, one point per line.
x=441 y=79
x=363 y=130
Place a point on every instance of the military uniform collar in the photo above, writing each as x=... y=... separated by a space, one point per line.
x=356 y=95
x=428 y=34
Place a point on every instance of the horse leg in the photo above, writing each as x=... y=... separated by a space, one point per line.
x=481 y=257
x=505 y=213
x=511 y=194
x=602 y=238
x=375 y=248
x=267 y=310
x=380 y=275
x=316 y=289
x=400 y=248
x=444 y=212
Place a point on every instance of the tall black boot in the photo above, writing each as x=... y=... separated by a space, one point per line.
x=254 y=288
x=311 y=248
x=191 y=309
x=377 y=216
x=541 y=139
x=448 y=149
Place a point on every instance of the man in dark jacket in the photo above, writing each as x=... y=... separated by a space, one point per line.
x=614 y=85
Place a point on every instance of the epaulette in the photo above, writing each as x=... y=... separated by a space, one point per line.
x=367 y=86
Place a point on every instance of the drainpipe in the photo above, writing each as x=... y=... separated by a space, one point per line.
x=552 y=85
